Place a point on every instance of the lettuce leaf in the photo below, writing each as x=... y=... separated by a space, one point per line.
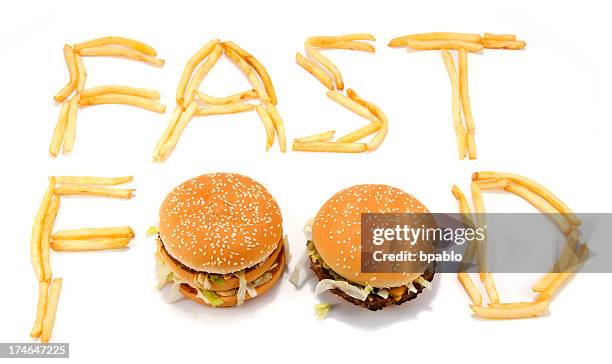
x=210 y=297
x=344 y=286
x=321 y=310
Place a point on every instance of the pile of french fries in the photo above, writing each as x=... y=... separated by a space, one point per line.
x=74 y=94
x=571 y=259
x=191 y=102
x=43 y=239
x=463 y=121
x=328 y=74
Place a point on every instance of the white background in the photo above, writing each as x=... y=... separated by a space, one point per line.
x=539 y=112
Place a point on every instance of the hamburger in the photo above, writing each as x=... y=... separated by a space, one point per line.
x=220 y=241
x=334 y=248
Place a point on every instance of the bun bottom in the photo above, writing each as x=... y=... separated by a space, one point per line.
x=230 y=301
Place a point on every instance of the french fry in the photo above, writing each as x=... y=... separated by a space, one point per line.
x=380 y=116
x=317 y=72
x=503 y=44
x=124 y=232
x=544 y=282
x=117 y=41
x=535 y=187
x=466 y=37
x=190 y=66
x=35 y=253
x=59 y=130
x=489 y=284
x=279 y=126
x=499 y=36
x=568 y=257
x=470 y=288
x=122 y=99
x=437 y=44
x=70 y=59
x=107 y=51
x=246 y=69
x=479 y=215
x=81 y=73
x=89 y=180
x=511 y=304
x=123 y=90
x=64 y=92
x=560 y=279
x=41 y=307
x=268 y=125
x=460 y=131
x=467 y=219
x=359 y=134
x=185 y=117
x=259 y=68
x=330 y=147
x=50 y=312
x=313 y=53
x=201 y=72
x=241 y=96
x=70 y=133
x=174 y=118
x=45 y=237
x=541 y=204
x=492 y=184
x=83 y=245
x=225 y=109
x=81 y=190
x=340 y=38
x=465 y=103
x=535 y=309
x=320 y=137
x=352 y=46
x=352 y=105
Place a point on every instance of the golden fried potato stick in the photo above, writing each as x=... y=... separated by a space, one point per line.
x=492 y=184
x=70 y=133
x=246 y=69
x=380 y=116
x=70 y=59
x=41 y=307
x=470 y=288
x=225 y=109
x=319 y=39
x=117 y=41
x=360 y=133
x=503 y=44
x=317 y=72
x=352 y=105
x=259 y=68
x=174 y=118
x=352 y=46
x=266 y=119
x=87 y=245
x=185 y=117
x=534 y=309
x=201 y=72
x=541 y=204
x=59 y=130
x=124 y=232
x=231 y=99
x=81 y=73
x=122 y=99
x=81 y=190
x=465 y=102
x=535 y=187
x=479 y=215
x=45 y=237
x=561 y=278
x=123 y=90
x=436 y=44
x=467 y=219
x=544 y=281
x=106 y=51
x=566 y=260
x=460 y=131
x=279 y=126
x=190 y=66
x=330 y=147
x=313 y=53
x=89 y=180
x=49 y=320
x=466 y=37
x=37 y=227
x=511 y=304
x=489 y=284
x=491 y=36
x=319 y=137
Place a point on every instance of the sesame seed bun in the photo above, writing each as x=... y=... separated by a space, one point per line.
x=336 y=232
x=220 y=223
x=230 y=301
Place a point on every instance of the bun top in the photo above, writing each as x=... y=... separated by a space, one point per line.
x=336 y=232
x=220 y=223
